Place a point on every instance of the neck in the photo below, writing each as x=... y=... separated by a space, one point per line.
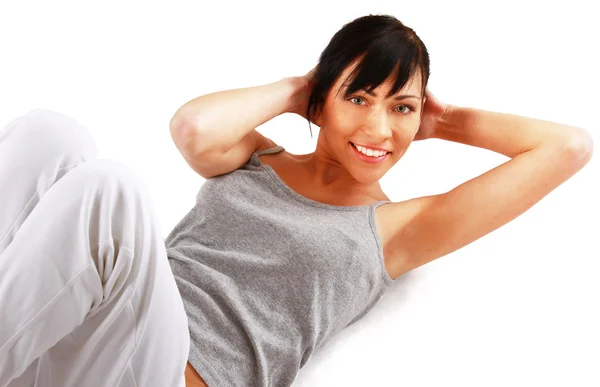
x=325 y=172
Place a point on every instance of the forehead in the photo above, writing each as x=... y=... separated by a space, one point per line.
x=413 y=84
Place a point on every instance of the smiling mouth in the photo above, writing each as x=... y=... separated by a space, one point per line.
x=354 y=146
x=369 y=159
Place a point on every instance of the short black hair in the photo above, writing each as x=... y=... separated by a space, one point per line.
x=381 y=44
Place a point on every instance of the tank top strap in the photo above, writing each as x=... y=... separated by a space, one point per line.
x=269 y=151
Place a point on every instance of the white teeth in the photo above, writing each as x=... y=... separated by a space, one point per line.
x=370 y=152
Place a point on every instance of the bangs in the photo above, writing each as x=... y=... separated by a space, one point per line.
x=376 y=48
x=378 y=64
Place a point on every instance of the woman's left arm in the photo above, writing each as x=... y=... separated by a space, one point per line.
x=543 y=155
x=509 y=134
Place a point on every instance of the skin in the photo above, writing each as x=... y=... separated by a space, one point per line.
x=363 y=119
x=192 y=378
x=417 y=231
x=332 y=173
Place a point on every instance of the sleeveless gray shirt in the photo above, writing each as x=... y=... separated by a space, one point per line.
x=267 y=275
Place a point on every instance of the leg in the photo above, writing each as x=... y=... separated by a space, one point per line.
x=105 y=309
x=36 y=150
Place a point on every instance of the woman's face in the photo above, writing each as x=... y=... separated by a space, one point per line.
x=370 y=120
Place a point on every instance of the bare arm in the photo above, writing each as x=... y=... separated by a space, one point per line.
x=216 y=122
x=543 y=155
x=504 y=133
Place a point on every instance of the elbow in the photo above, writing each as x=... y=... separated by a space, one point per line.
x=180 y=123
x=186 y=136
x=185 y=120
x=184 y=127
x=585 y=145
x=580 y=146
x=175 y=123
x=182 y=130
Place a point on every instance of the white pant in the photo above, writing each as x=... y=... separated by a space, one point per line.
x=87 y=297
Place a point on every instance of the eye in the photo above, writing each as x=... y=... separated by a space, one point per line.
x=410 y=108
x=406 y=111
x=351 y=98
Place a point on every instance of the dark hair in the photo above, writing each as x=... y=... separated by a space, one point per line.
x=382 y=44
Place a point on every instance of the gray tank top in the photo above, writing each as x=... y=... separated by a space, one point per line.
x=267 y=275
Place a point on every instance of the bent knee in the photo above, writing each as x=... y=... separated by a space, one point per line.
x=55 y=136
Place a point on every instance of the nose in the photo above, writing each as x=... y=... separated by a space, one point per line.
x=378 y=124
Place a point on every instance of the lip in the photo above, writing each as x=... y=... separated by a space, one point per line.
x=371 y=147
x=368 y=159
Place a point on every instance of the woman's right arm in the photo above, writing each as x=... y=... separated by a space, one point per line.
x=216 y=133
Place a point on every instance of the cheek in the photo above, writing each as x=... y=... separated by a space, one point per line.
x=402 y=141
x=339 y=125
x=340 y=118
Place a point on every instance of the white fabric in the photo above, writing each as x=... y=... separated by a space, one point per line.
x=87 y=297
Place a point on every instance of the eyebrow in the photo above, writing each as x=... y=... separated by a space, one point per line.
x=396 y=98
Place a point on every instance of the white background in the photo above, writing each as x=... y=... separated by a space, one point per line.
x=519 y=307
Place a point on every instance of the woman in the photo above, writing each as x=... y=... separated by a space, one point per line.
x=280 y=252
